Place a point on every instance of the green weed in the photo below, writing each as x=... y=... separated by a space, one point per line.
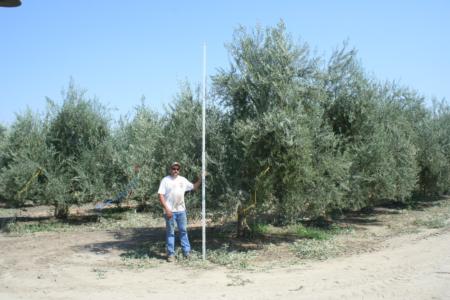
x=432 y=223
x=33 y=227
x=101 y=273
x=312 y=232
x=260 y=229
x=301 y=231
x=315 y=249
x=144 y=256
x=224 y=256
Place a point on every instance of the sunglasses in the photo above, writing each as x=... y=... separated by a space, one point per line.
x=176 y=169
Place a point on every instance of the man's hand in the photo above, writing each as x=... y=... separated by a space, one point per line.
x=169 y=213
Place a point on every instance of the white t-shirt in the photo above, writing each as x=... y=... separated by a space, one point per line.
x=173 y=190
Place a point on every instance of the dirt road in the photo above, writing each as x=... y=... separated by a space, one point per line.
x=88 y=266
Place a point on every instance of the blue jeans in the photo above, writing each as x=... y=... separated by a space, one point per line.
x=181 y=219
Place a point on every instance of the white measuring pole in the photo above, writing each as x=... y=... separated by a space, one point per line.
x=204 y=155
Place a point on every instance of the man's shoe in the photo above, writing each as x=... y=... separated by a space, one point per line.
x=171 y=258
x=186 y=255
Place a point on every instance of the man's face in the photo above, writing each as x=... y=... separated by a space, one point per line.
x=174 y=171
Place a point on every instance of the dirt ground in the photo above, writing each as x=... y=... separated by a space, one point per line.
x=388 y=256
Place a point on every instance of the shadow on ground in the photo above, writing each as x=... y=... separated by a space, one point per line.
x=30 y=217
x=370 y=215
x=150 y=242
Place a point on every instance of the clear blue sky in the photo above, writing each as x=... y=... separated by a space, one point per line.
x=122 y=50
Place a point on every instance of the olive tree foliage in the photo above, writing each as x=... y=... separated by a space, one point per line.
x=181 y=140
x=3 y=143
x=443 y=121
x=283 y=157
x=24 y=156
x=3 y=131
x=434 y=151
x=135 y=143
x=409 y=107
x=401 y=112
x=79 y=137
x=374 y=130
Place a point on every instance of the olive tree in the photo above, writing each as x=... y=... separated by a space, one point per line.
x=434 y=151
x=78 y=135
x=374 y=131
x=136 y=142
x=284 y=158
x=23 y=160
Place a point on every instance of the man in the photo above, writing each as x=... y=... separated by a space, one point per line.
x=171 y=196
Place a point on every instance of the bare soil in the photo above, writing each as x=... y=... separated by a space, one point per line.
x=391 y=253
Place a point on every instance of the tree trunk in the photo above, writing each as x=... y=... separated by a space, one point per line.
x=243 y=230
x=61 y=211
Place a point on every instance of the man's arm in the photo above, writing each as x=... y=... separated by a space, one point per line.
x=163 y=202
x=197 y=183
